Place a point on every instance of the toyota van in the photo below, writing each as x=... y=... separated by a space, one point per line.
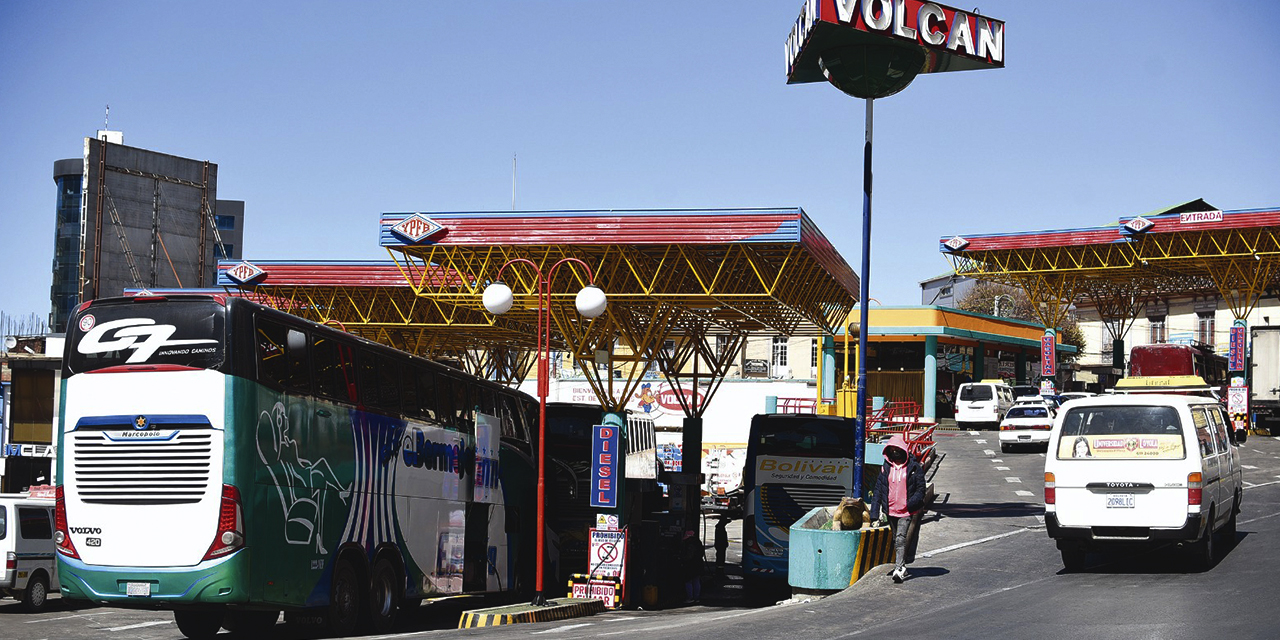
x=1142 y=469
x=982 y=404
x=26 y=544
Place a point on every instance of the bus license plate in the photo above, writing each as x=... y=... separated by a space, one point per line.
x=1119 y=500
x=138 y=589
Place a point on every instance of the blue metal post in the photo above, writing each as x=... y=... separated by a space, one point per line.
x=864 y=295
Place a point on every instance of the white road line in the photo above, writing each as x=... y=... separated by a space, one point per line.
x=961 y=545
x=1017 y=480
x=997 y=460
x=1250 y=485
x=80 y=615
x=1002 y=468
x=1024 y=493
x=1248 y=466
x=1259 y=518
x=1040 y=519
x=974 y=433
x=140 y=625
x=988 y=452
x=564 y=628
x=980 y=441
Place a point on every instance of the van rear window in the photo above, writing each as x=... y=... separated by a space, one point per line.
x=976 y=392
x=1121 y=433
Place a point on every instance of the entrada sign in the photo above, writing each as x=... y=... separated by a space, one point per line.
x=953 y=40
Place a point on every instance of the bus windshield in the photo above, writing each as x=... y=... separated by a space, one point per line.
x=798 y=436
x=187 y=333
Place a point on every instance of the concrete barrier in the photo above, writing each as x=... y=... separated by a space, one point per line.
x=823 y=560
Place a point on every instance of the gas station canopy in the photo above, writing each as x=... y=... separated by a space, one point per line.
x=685 y=275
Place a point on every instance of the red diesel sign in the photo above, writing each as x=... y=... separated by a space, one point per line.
x=952 y=40
x=1048 y=355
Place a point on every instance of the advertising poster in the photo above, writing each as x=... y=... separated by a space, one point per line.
x=1121 y=447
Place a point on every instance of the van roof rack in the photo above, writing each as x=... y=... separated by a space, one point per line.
x=1162 y=384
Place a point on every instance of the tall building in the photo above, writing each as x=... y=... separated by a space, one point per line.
x=134 y=218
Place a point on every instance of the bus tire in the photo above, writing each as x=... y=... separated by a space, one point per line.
x=198 y=625
x=385 y=589
x=343 y=613
x=36 y=596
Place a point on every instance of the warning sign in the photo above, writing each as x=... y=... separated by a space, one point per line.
x=608 y=553
x=603 y=588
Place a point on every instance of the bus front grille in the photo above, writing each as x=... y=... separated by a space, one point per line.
x=782 y=504
x=175 y=470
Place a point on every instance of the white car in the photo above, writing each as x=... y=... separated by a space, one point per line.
x=1140 y=469
x=1026 y=423
x=1075 y=395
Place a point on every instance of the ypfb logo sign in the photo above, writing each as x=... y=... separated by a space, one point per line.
x=417 y=228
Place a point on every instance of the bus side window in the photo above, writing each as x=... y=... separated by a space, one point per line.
x=425 y=381
x=464 y=406
x=333 y=369
x=485 y=402
x=282 y=357
x=376 y=382
x=444 y=400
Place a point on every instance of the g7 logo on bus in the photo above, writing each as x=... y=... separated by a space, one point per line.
x=142 y=335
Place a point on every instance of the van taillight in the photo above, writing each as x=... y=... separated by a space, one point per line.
x=230 y=534
x=10 y=561
x=1050 y=489
x=1195 y=486
x=61 y=536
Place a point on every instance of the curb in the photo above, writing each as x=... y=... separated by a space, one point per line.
x=555 y=610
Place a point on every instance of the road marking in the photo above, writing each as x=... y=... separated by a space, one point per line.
x=564 y=628
x=1250 y=485
x=961 y=545
x=140 y=625
x=81 y=615
x=1017 y=480
x=1040 y=519
x=989 y=452
x=997 y=460
x=1022 y=492
x=974 y=433
x=980 y=441
x=1002 y=468
x=1248 y=466
x=1259 y=518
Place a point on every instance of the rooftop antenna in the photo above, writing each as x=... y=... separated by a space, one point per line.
x=106 y=118
x=513 y=182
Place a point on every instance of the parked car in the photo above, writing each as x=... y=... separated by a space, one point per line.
x=1026 y=423
x=981 y=404
x=29 y=572
x=1139 y=469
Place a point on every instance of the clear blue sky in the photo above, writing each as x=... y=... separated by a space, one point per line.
x=321 y=115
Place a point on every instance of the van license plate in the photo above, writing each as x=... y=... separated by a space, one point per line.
x=1119 y=500
x=138 y=589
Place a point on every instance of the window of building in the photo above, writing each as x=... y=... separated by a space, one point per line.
x=1159 y=330
x=223 y=251
x=1204 y=327
x=944 y=292
x=226 y=223
x=779 y=351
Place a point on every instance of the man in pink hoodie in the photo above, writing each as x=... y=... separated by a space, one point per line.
x=900 y=493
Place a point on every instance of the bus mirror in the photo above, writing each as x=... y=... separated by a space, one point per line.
x=296 y=341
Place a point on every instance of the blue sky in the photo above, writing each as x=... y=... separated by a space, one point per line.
x=321 y=115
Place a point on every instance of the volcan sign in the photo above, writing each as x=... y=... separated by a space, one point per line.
x=952 y=40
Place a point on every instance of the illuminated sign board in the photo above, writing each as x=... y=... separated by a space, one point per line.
x=605 y=440
x=1048 y=355
x=1235 y=358
x=951 y=39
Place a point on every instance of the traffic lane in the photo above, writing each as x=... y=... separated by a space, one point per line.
x=80 y=619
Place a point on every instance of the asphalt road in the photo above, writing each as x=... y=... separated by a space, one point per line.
x=985 y=569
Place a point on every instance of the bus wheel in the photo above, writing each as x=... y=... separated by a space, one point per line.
x=384 y=596
x=344 y=600
x=198 y=625
x=36 y=595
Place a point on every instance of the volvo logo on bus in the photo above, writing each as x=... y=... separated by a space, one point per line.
x=140 y=423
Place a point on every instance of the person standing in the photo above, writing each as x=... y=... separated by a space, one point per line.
x=693 y=555
x=899 y=498
x=722 y=542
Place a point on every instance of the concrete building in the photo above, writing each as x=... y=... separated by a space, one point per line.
x=133 y=218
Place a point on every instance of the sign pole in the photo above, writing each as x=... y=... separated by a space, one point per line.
x=860 y=423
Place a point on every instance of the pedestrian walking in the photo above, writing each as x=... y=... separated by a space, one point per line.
x=899 y=498
x=693 y=555
x=722 y=542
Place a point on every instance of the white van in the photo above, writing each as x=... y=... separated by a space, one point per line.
x=983 y=403
x=1141 y=469
x=30 y=572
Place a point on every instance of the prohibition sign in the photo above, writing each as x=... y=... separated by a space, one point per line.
x=607 y=552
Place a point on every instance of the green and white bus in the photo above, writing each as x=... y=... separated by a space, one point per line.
x=229 y=461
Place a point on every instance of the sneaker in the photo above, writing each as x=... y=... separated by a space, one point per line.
x=899 y=574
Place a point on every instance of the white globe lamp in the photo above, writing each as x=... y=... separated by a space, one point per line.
x=498 y=298
x=590 y=301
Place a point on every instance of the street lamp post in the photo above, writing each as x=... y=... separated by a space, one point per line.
x=995 y=304
x=590 y=302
